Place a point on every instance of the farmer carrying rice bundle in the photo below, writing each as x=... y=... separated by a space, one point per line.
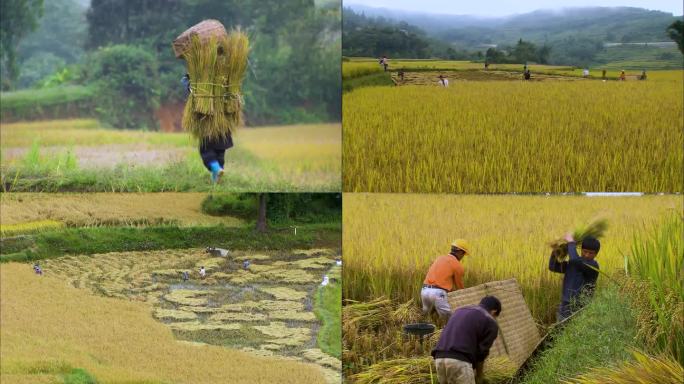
x=445 y=275
x=580 y=270
x=216 y=62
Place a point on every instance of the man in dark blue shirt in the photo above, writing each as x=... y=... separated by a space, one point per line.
x=580 y=272
x=465 y=341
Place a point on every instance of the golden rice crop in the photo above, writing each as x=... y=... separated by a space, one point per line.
x=354 y=69
x=95 y=209
x=516 y=136
x=644 y=369
x=45 y=322
x=390 y=240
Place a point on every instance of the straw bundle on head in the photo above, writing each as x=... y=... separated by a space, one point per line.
x=216 y=66
x=595 y=229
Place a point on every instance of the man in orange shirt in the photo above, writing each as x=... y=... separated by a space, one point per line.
x=445 y=275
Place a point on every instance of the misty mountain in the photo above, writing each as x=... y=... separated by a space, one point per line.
x=606 y=24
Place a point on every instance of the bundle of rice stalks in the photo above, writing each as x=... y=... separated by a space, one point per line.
x=644 y=369
x=418 y=370
x=421 y=370
x=216 y=67
x=367 y=315
x=596 y=228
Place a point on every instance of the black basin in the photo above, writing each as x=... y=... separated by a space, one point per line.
x=419 y=329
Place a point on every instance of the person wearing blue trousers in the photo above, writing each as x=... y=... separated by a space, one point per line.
x=212 y=151
x=581 y=273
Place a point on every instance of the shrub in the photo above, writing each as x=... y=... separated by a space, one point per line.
x=128 y=86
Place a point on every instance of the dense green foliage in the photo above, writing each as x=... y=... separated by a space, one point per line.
x=93 y=240
x=281 y=208
x=17 y=19
x=522 y=52
x=294 y=64
x=375 y=37
x=576 y=36
x=57 y=43
x=79 y=376
x=293 y=75
x=676 y=32
x=48 y=103
x=127 y=86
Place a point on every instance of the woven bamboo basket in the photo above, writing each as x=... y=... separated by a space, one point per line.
x=206 y=30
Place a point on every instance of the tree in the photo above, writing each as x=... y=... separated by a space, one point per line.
x=261 y=225
x=17 y=19
x=676 y=33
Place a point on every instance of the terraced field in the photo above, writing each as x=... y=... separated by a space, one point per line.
x=265 y=307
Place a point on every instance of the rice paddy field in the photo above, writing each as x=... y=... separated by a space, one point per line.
x=390 y=240
x=80 y=155
x=113 y=304
x=491 y=132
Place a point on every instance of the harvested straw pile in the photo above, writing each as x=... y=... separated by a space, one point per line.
x=595 y=228
x=377 y=313
x=216 y=66
x=421 y=370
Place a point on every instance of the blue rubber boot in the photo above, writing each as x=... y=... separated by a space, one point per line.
x=215 y=171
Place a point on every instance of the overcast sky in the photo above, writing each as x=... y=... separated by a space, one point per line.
x=508 y=7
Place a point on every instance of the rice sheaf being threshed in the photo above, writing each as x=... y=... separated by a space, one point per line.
x=216 y=62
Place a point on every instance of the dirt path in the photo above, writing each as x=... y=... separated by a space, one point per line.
x=90 y=157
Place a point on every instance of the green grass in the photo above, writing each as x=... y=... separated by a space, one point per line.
x=328 y=308
x=598 y=336
x=656 y=262
x=375 y=79
x=49 y=103
x=79 y=376
x=60 y=172
x=94 y=240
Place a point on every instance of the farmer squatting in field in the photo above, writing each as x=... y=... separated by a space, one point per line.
x=465 y=342
x=580 y=277
x=445 y=273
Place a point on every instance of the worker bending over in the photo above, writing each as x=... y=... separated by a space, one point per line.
x=445 y=275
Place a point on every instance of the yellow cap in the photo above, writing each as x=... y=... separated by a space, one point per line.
x=462 y=245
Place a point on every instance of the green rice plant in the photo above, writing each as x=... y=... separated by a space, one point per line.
x=595 y=228
x=656 y=263
x=660 y=369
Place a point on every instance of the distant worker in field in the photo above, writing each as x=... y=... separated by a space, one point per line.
x=445 y=275
x=384 y=62
x=37 y=269
x=486 y=65
x=581 y=273
x=401 y=75
x=202 y=272
x=623 y=77
x=527 y=74
x=603 y=74
x=585 y=72
x=465 y=342
x=643 y=75
x=185 y=276
x=443 y=81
